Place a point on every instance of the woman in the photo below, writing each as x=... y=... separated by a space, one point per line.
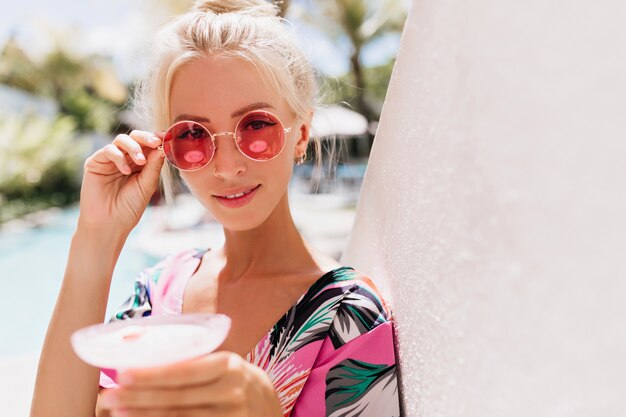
x=232 y=97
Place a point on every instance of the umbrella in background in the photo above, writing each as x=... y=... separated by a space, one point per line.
x=338 y=121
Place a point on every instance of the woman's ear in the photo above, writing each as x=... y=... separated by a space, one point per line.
x=305 y=136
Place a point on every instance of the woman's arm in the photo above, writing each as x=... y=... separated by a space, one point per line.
x=66 y=386
x=118 y=181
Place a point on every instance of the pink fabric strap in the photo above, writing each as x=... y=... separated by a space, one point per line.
x=170 y=288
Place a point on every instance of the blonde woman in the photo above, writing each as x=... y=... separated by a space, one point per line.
x=231 y=99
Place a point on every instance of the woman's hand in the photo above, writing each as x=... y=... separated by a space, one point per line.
x=220 y=384
x=119 y=180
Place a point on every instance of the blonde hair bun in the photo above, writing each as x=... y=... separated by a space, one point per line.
x=247 y=7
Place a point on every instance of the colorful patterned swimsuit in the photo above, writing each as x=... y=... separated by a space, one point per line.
x=331 y=354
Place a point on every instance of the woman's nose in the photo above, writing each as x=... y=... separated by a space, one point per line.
x=227 y=161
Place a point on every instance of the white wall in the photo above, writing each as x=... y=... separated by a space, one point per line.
x=494 y=208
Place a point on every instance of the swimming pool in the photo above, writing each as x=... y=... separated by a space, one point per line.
x=33 y=263
x=33 y=259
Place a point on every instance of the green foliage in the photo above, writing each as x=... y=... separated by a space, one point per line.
x=343 y=90
x=40 y=162
x=361 y=22
x=377 y=80
x=89 y=112
x=17 y=69
x=41 y=159
x=84 y=87
x=64 y=73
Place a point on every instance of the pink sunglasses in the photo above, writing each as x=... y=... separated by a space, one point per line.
x=259 y=135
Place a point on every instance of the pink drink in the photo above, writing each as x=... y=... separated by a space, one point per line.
x=150 y=341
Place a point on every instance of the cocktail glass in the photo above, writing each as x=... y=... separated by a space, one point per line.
x=150 y=341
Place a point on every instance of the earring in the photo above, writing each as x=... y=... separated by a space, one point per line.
x=301 y=159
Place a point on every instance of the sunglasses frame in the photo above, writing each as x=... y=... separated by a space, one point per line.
x=286 y=130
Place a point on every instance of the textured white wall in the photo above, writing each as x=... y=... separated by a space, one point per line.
x=494 y=208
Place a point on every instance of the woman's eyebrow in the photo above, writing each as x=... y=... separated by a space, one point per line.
x=185 y=116
x=253 y=106
x=240 y=112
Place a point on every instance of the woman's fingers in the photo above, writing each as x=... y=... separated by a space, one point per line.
x=145 y=138
x=133 y=142
x=222 y=383
x=217 y=379
x=112 y=153
x=148 y=178
x=220 y=393
x=126 y=151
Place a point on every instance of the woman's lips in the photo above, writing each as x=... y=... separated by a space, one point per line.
x=238 y=201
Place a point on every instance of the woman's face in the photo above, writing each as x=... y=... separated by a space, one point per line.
x=216 y=91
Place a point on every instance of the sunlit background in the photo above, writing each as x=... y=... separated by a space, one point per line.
x=67 y=70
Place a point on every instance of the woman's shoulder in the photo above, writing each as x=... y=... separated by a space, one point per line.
x=359 y=306
x=354 y=291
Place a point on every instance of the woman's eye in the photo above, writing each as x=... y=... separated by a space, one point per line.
x=258 y=124
x=197 y=134
x=192 y=134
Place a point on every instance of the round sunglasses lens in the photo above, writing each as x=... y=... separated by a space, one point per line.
x=188 y=145
x=260 y=136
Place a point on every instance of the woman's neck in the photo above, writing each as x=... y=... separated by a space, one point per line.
x=274 y=247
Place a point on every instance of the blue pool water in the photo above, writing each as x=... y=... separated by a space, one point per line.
x=32 y=262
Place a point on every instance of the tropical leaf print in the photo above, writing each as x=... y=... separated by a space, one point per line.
x=138 y=304
x=309 y=320
x=287 y=376
x=360 y=312
x=316 y=327
x=337 y=308
x=305 y=322
x=356 y=388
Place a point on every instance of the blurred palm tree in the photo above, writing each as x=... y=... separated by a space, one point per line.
x=86 y=88
x=361 y=22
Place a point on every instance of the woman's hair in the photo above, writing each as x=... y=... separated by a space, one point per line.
x=248 y=29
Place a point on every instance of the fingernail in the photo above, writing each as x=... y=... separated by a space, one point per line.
x=140 y=156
